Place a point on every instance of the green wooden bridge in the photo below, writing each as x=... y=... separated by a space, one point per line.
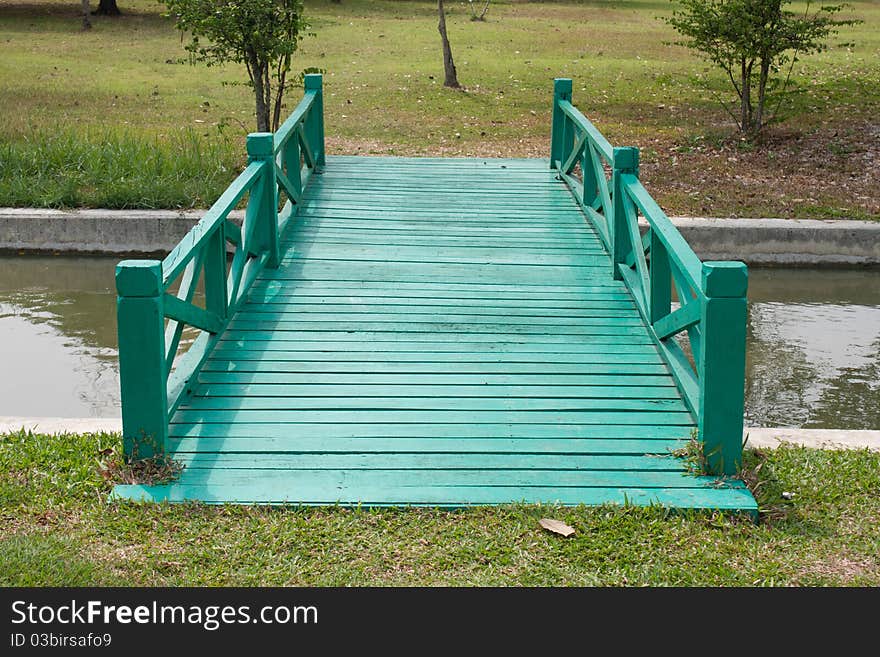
x=444 y=332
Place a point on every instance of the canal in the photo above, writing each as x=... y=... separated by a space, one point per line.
x=813 y=343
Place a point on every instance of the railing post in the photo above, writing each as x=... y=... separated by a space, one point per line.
x=142 y=375
x=626 y=160
x=561 y=91
x=261 y=148
x=722 y=364
x=315 y=122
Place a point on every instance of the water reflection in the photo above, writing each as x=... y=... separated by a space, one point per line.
x=813 y=343
x=58 y=337
x=814 y=349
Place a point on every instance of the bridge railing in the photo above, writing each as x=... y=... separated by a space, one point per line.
x=703 y=339
x=582 y=157
x=299 y=147
x=157 y=299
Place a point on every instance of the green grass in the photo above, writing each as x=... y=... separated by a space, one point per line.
x=384 y=95
x=116 y=170
x=54 y=509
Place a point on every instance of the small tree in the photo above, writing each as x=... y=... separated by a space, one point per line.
x=261 y=34
x=751 y=40
x=478 y=14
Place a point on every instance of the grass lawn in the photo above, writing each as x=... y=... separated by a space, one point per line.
x=57 y=528
x=116 y=117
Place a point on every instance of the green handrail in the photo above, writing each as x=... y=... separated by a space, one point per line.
x=653 y=265
x=299 y=146
x=575 y=142
x=154 y=376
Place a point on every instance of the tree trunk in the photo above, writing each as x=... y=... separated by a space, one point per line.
x=745 y=110
x=762 y=92
x=107 y=8
x=450 y=78
x=258 y=73
x=261 y=106
x=87 y=24
x=283 y=68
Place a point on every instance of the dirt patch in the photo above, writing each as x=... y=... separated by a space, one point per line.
x=27 y=521
x=13 y=524
x=828 y=172
x=823 y=173
x=525 y=147
x=842 y=568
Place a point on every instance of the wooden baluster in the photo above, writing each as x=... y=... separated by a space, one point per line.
x=626 y=160
x=660 y=275
x=314 y=126
x=215 y=273
x=142 y=369
x=590 y=190
x=721 y=366
x=561 y=91
x=567 y=142
x=291 y=159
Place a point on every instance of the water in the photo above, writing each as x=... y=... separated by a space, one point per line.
x=58 y=337
x=813 y=349
x=813 y=343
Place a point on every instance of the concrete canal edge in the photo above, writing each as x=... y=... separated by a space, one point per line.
x=780 y=242
x=771 y=438
x=107 y=232
x=755 y=437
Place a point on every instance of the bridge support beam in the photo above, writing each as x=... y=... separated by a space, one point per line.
x=722 y=365
x=143 y=385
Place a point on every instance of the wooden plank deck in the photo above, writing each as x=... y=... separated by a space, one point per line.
x=440 y=332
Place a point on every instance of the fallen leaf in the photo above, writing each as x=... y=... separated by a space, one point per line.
x=556 y=526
